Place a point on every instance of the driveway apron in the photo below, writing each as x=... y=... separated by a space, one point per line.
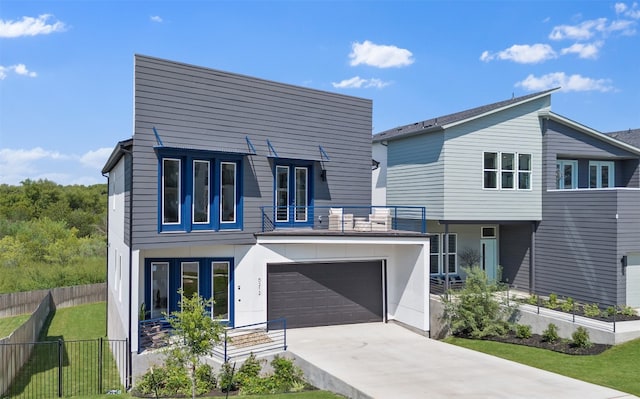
x=389 y=361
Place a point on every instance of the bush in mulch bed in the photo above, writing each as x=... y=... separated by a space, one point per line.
x=537 y=341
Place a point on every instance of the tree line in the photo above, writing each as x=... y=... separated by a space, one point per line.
x=51 y=235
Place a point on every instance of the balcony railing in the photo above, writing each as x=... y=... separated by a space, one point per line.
x=348 y=218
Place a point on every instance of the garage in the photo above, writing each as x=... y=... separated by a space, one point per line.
x=322 y=294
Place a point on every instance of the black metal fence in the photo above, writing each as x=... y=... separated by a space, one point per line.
x=64 y=368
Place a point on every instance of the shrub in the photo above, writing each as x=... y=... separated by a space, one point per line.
x=551 y=333
x=227 y=379
x=552 y=303
x=627 y=311
x=610 y=311
x=474 y=310
x=205 y=379
x=591 y=310
x=532 y=300
x=567 y=305
x=285 y=373
x=250 y=369
x=523 y=331
x=580 y=338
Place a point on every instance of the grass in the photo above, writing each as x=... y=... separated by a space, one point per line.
x=9 y=324
x=615 y=368
x=79 y=327
x=297 y=395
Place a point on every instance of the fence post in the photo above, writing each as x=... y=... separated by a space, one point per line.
x=225 y=346
x=60 y=343
x=100 y=365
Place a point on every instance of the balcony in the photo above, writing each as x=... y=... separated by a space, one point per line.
x=345 y=219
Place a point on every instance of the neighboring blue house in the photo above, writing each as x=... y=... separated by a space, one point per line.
x=256 y=194
x=551 y=203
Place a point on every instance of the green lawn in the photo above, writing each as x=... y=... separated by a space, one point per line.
x=9 y=324
x=616 y=368
x=298 y=395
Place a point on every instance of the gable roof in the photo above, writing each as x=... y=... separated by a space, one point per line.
x=121 y=148
x=631 y=136
x=607 y=138
x=442 y=122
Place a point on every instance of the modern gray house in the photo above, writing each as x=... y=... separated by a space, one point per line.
x=256 y=194
x=541 y=202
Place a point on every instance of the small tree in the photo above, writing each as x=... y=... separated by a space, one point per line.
x=474 y=310
x=196 y=331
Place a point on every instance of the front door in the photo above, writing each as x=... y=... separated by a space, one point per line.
x=489 y=258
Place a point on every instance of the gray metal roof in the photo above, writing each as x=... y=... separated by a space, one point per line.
x=121 y=148
x=630 y=136
x=440 y=122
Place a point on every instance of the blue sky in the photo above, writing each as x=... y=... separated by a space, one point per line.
x=66 y=67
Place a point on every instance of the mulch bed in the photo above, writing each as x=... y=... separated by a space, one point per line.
x=562 y=346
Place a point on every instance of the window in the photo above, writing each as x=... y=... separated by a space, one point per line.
x=190 y=279
x=490 y=170
x=507 y=166
x=220 y=287
x=228 y=192
x=159 y=289
x=211 y=278
x=439 y=255
x=566 y=174
x=191 y=187
x=601 y=174
x=171 y=197
x=488 y=232
x=201 y=192
x=506 y=171
x=524 y=171
x=293 y=194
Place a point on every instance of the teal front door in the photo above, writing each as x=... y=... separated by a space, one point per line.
x=489 y=258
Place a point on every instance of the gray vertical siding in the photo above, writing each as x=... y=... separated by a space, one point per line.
x=204 y=108
x=515 y=246
x=576 y=245
x=584 y=233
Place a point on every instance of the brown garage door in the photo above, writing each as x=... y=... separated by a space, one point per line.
x=322 y=294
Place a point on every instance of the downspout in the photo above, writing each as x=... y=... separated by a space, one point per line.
x=532 y=260
x=129 y=359
x=106 y=324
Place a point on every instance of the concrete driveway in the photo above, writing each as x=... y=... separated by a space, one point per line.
x=388 y=361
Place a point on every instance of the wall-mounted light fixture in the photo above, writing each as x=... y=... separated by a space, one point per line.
x=323 y=174
x=623 y=261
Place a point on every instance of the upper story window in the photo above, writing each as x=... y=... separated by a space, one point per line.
x=293 y=199
x=506 y=171
x=601 y=174
x=199 y=193
x=566 y=174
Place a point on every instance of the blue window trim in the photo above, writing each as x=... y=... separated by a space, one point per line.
x=204 y=282
x=292 y=164
x=187 y=159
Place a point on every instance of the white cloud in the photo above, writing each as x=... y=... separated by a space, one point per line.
x=19 y=69
x=17 y=165
x=357 y=83
x=588 y=29
x=589 y=51
x=156 y=18
x=566 y=82
x=620 y=8
x=96 y=159
x=381 y=56
x=522 y=54
x=582 y=31
x=30 y=26
x=631 y=12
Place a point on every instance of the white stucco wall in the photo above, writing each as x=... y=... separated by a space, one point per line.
x=117 y=256
x=407 y=272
